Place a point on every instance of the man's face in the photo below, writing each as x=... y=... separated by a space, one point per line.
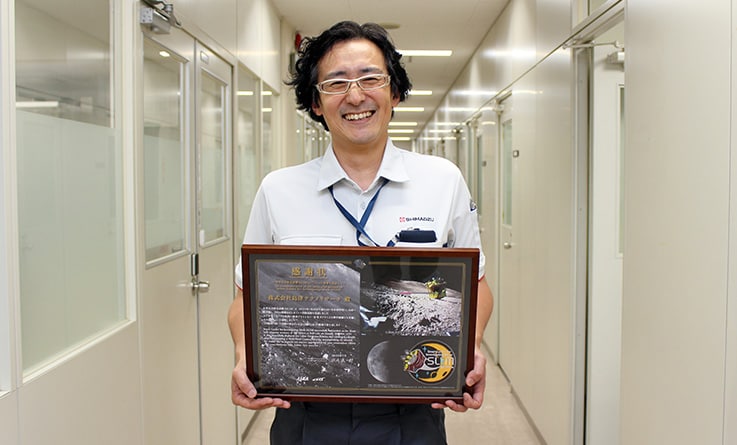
x=356 y=119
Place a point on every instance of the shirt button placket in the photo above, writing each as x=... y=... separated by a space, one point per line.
x=362 y=204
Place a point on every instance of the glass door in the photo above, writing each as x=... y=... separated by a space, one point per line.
x=168 y=306
x=508 y=304
x=212 y=267
x=187 y=279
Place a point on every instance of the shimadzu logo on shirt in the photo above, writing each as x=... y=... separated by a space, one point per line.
x=406 y=219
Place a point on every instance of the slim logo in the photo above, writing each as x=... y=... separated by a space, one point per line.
x=430 y=362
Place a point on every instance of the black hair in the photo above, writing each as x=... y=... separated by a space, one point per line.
x=313 y=49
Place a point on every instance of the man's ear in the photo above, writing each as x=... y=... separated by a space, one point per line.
x=316 y=108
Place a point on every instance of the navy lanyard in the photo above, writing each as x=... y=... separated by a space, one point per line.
x=360 y=225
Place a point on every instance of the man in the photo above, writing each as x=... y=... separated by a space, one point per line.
x=363 y=191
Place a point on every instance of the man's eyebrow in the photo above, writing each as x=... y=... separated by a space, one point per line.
x=342 y=73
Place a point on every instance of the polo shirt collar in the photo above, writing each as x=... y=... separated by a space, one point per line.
x=392 y=167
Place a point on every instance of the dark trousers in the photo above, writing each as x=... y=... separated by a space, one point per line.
x=358 y=424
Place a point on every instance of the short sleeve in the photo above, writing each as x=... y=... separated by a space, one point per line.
x=465 y=225
x=258 y=230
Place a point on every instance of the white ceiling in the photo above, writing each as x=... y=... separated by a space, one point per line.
x=458 y=25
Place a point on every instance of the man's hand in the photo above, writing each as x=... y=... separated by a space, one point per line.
x=244 y=393
x=476 y=382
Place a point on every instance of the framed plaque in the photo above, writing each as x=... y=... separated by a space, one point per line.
x=363 y=324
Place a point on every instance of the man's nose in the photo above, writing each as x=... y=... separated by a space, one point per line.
x=355 y=93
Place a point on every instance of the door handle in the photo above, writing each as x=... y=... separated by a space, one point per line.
x=201 y=286
x=507 y=245
x=194 y=269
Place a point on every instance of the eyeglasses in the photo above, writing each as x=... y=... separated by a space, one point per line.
x=366 y=83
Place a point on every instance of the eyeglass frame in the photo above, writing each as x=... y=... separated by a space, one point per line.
x=357 y=81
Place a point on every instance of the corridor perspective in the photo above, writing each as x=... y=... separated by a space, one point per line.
x=580 y=155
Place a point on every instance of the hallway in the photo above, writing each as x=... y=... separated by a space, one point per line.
x=499 y=422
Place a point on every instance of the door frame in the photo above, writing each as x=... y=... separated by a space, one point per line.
x=503 y=303
x=604 y=18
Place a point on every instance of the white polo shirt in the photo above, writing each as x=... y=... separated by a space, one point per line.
x=293 y=205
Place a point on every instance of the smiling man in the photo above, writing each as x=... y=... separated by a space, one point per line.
x=358 y=118
x=363 y=191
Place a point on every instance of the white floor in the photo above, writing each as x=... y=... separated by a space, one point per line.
x=500 y=421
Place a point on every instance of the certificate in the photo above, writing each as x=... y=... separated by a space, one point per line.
x=359 y=324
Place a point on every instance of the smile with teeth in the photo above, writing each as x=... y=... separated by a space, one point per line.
x=357 y=116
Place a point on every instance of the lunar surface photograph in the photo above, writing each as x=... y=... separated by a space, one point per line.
x=403 y=307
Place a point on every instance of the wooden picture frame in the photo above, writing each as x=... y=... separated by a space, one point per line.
x=359 y=324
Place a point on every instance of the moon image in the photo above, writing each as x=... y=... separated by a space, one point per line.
x=382 y=365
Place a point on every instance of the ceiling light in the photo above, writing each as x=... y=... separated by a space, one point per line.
x=163 y=53
x=412 y=109
x=402 y=138
x=426 y=52
x=401 y=130
x=445 y=130
x=245 y=93
x=482 y=93
x=402 y=124
x=420 y=92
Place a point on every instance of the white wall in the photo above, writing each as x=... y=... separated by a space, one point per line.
x=540 y=356
x=248 y=30
x=677 y=226
x=258 y=40
x=541 y=373
x=679 y=360
x=97 y=403
x=9 y=418
x=216 y=18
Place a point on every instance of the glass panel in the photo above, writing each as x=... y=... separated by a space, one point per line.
x=507 y=172
x=69 y=172
x=268 y=102
x=246 y=155
x=63 y=60
x=164 y=152
x=593 y=4
x=212 y=159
